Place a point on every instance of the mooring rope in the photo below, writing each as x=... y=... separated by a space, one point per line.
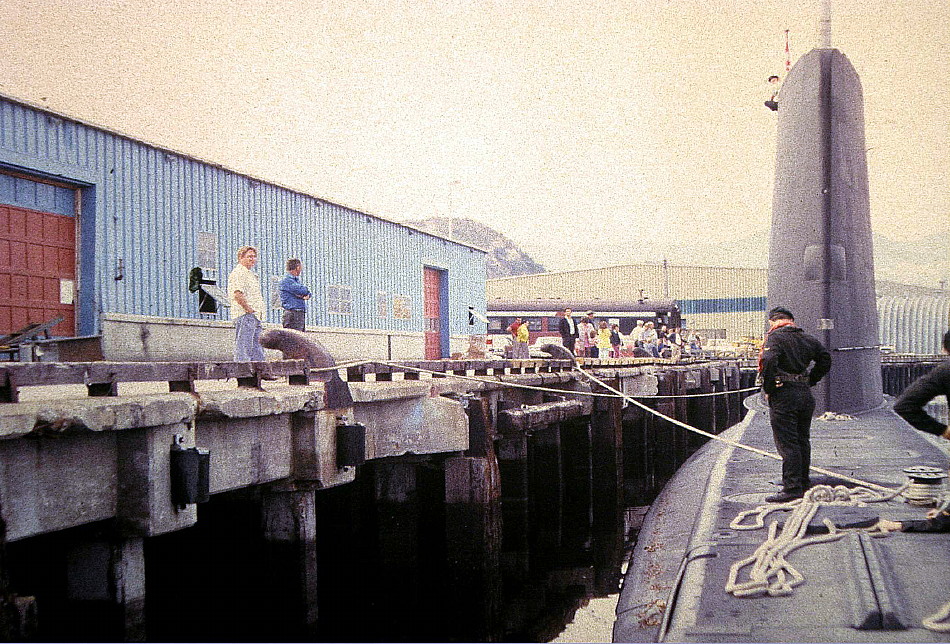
x=770 y=559
x=633 y=400
x=939 y=621
x=770 y=572
x=756 y=450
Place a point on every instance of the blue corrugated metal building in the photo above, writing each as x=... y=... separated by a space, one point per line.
x=145 y=216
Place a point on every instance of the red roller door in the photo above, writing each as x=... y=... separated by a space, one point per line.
x=37 y=269
x=431 y=313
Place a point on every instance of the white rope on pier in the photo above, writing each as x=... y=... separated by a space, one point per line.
x=633 y=400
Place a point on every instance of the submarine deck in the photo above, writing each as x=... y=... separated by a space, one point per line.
x=856 y=589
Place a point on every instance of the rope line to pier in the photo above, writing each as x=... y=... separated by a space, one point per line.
x=939 y=621
x=728 y=441
x=633 y=400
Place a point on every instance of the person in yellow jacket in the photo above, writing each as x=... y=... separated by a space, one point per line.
x=519 y=334
x=603 y=340
x=522 y=343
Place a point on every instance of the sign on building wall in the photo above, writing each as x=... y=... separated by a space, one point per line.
x=207 y=250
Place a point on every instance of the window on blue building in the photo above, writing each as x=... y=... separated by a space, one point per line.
x=340 y=300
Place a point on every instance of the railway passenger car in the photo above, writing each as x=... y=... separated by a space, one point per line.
x=543 y=316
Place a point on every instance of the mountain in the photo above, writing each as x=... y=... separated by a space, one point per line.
x=504 y=259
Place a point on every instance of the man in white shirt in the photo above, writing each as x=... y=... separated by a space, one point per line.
x=247 y=307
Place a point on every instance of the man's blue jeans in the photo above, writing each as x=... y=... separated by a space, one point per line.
x=247 y=345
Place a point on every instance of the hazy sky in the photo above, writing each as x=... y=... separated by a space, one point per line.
x=591 y=133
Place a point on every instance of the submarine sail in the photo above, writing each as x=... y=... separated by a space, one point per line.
x=821 y=264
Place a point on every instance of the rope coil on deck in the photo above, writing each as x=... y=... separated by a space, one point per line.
x=770 y=572
x=820 y=494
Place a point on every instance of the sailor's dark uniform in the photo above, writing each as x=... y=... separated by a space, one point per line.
x=910 y=404
x=786 y=355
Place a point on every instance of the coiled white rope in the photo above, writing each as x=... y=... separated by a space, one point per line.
x=770 y=572
x=924 y=494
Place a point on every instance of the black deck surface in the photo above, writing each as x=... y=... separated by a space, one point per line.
x=886 y=584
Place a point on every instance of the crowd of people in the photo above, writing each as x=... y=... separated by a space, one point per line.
x=592 y=338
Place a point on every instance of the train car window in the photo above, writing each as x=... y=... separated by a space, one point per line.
x=554 y=324
x=534 y=324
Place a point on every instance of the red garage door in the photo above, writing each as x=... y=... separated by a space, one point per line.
x=37 y=269
x=431 y=286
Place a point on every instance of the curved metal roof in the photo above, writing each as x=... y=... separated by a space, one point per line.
x=913 y=324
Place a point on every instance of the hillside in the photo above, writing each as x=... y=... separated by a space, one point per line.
x=504 y=259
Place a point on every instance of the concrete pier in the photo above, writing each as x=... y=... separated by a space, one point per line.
x=473 y=504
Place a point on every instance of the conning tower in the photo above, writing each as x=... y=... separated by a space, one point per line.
x=820 y=256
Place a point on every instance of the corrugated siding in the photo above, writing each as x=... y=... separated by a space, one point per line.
x=714 y=298
x=682 y=283
x=151 y=203
x=913 y=324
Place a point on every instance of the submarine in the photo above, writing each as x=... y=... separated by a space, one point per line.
x=714 y=562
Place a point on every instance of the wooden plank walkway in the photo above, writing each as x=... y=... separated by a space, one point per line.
x=101 y=378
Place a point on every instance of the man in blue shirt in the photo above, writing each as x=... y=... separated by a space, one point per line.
x=294 y=296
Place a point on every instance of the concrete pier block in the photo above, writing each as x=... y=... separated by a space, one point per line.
x=50 y=484
x=314 y=450
x=246 y=451
x=144 y=505
x=402 y=418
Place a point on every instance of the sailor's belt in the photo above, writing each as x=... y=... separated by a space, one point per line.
x=792 y=377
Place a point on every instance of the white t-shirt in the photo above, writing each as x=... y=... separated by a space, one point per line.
x=245 y=280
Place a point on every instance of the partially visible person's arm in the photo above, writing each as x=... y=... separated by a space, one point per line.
x=910 y=404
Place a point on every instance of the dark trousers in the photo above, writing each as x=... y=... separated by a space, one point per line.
x=295 y=320
x=568 y=342
x=790 y=411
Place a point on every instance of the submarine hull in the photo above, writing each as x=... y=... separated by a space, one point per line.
x=854 y=588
